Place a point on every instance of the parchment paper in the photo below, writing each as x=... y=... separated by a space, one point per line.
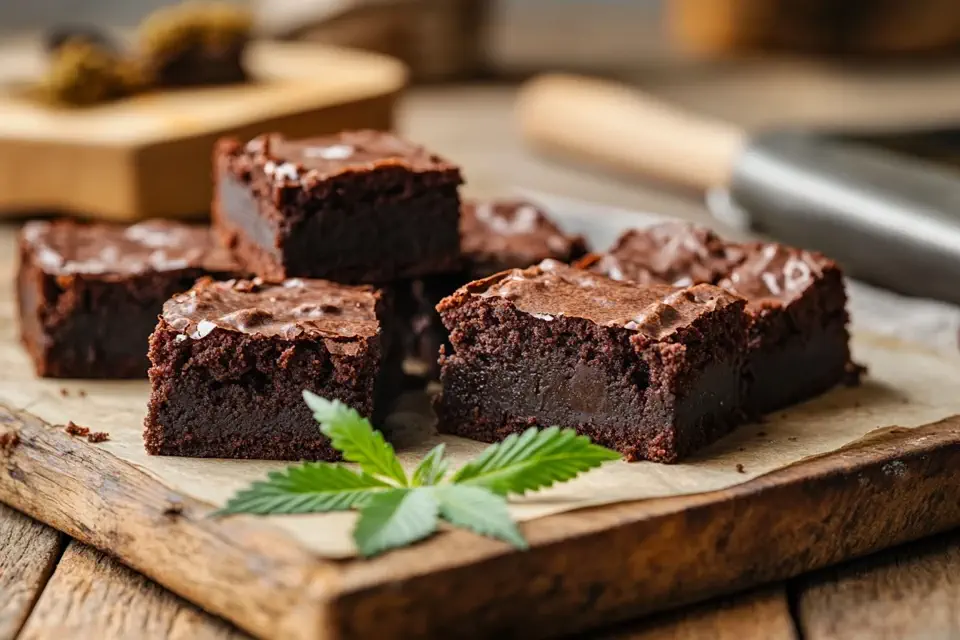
x=908 y=385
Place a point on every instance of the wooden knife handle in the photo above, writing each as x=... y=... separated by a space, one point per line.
x=620 y=128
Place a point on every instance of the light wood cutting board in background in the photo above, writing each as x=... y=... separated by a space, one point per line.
x=149 y=156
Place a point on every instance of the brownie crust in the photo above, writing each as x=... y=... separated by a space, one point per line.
x=230 y=361
x=361 y=206
x=653 y=372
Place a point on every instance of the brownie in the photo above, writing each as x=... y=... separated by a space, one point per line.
x=494 y=236
x=356 y=207
x=798 y=344
x=230 y=361
x=676 y=253
x=652 y=371
x=798 y=338
x=89 y=295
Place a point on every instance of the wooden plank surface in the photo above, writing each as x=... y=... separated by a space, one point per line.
x=909 y=592
x=92 y=596
x=813 y=514
x=757 y=615
x=29 y=552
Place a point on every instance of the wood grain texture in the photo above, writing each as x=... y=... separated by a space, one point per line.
x=908 y=592
x=757 y=615
x=28 y=553
x=93 y=596
x=585 y=569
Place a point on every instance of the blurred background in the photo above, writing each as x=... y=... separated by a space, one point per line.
x=852 y=65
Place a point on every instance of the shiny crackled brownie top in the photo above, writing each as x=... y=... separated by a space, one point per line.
x=506 y=234
x=772 y=272
x=292 y=309
x=676 y=253
x=290 y=161
x=71 y=248
x=553 y=289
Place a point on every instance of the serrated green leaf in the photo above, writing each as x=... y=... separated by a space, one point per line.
x=431 y=469
x=352 y=435
x=313 y=487
x=395 y=518
x=479 y=510
x=533 y=460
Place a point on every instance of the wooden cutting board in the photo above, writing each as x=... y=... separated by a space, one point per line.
x=585 y=568
x=149 y=155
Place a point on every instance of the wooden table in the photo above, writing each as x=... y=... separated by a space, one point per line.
x=53 y=587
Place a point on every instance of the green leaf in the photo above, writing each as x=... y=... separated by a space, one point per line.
x=533 y=460
x=352 y=435
x=431 y=469
x=479 y=510
x=313 y=487
x=395 y=518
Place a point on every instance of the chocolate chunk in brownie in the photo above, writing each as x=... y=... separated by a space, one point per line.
x=652 y=371
x=494 y=236
x=89 y=295
x=230 y=361
x=798 y=339
x=676 y=253
x=359 y=206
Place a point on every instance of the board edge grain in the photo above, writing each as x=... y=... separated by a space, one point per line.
x=585 y=568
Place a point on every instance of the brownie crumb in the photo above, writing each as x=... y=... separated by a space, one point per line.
x=64 y=392
x=793 y=438
x=740 y=469
x=761 y=434
x=8 y=441
x=174 y=508
x=853 y=374
x=741 y=448
x=76 y=430
x=98 y=436
x=81 y=393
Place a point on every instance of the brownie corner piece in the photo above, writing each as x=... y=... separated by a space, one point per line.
x=358 y=206
x=89 y=294
x=798 y=344
x=230 y=361
x=652 y=371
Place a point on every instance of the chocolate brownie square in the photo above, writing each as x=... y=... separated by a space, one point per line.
x=652 y=371
x=356 y=207
x=798 y=338
x=798 y=344
x=231 y=359
x=494 y=236
x=89 y=295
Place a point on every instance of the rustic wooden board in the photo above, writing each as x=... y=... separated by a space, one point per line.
x=29 y=551
x=585 y=568
x=149 y=155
